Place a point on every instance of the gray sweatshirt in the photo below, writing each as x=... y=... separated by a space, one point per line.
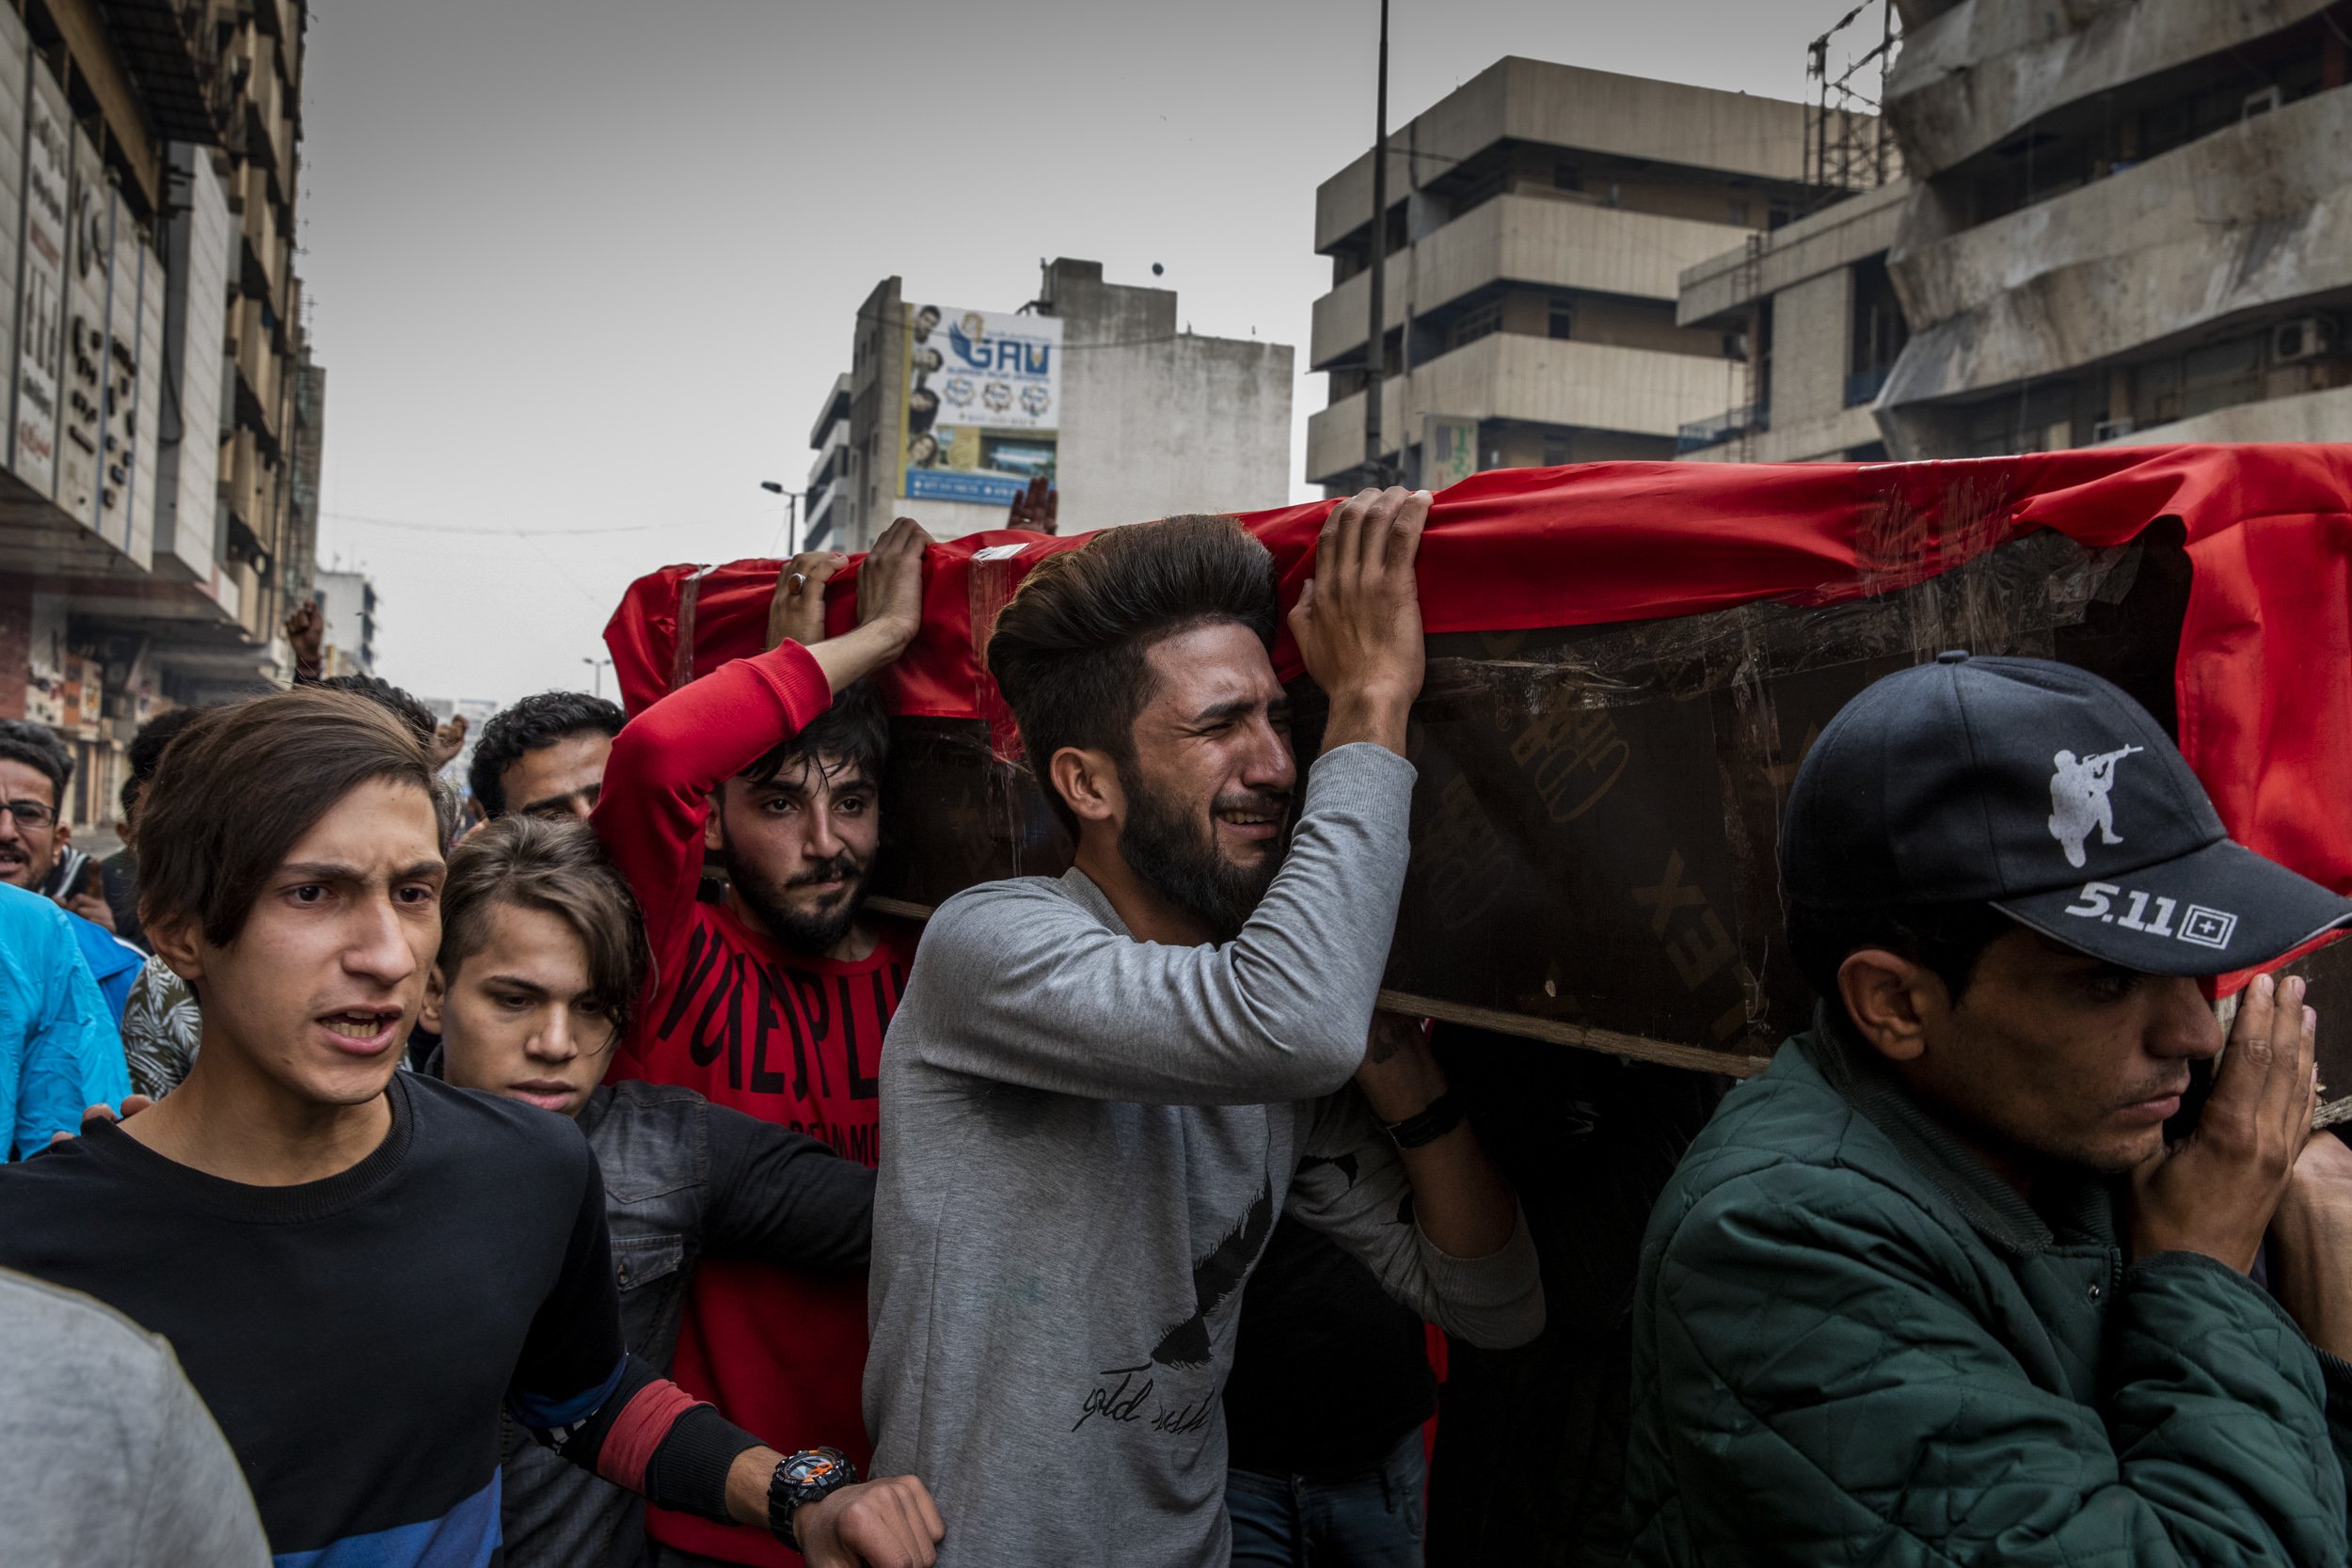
x=110 y=1457
x=1084 y=1142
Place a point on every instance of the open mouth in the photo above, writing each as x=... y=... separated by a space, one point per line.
x=363 y=1031
x=1250 y=822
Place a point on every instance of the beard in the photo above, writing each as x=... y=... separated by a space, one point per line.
x=1174 y=851
x=804 y=930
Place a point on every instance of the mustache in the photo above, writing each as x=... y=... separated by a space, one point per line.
x=2162 y=1088
x=1258 y=802
x=844 y=868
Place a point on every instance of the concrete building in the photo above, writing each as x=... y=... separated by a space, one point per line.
x=828 y=483
x=1131 y=417
x=352 y=615
x=148 y=316
x=1540 y=219
x=1817 y=310
x=2131 y=220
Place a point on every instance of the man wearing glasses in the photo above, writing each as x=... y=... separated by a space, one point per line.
x=37 y=853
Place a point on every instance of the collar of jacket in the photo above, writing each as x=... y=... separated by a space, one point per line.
x=2080 y=1206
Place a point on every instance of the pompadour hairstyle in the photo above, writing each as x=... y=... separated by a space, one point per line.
x=242 y=785
x=36 y=747
x=530 y=725
x=1069 y=651
x=523 y=862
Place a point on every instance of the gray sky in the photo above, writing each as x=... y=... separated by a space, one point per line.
x=586 y=265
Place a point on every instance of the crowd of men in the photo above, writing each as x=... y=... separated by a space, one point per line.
x=593 y=1178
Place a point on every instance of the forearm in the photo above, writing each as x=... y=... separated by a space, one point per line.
x=2311 y=1274
x=1365 y=714
x=748 y=1480
x=1461 y=1200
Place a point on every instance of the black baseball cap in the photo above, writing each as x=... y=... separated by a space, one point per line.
x=2045 y=791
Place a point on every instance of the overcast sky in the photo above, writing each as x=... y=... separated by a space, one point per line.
x=590 y=266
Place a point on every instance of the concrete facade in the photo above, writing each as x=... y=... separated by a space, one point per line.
x=1541 y=218
x=1814 y=303
x=2131 y=219
x=351 y=615
x=829 y=483
x=1154 y=420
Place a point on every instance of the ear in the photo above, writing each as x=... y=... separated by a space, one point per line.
x=178 y=939
x=713 y=839
x=1890 y=998
x=435 y=992
x=61 y=836
x=1089 y=781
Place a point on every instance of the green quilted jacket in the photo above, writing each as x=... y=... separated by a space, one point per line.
x=1852 y=1344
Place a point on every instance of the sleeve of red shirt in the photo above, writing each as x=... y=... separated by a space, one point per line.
x=669 y=758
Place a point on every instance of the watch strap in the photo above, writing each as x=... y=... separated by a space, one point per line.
x=1441 y=1117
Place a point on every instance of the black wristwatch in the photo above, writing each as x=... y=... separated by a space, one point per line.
x=800 y=1479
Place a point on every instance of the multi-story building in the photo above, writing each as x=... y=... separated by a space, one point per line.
x=349 y=614
x=1814 y=307
x=2129 y=220
x=951 y=411
x=1539 y=220
x=148 y=312
x=828 y=481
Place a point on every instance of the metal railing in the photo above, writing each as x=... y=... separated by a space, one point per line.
x=1747 y=420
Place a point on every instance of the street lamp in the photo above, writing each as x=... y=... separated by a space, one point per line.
x=597 y=666
x=791 y=513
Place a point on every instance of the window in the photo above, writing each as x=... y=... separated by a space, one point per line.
x=1474 y=323
x=1562 y=319
x=1736 y=210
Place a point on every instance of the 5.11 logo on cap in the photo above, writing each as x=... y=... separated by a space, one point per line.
x=2199 y=925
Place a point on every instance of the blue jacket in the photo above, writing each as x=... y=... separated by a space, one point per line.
x=58 y=1050
x=113 y=963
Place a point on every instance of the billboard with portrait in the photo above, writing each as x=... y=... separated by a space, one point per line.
x=982 y=406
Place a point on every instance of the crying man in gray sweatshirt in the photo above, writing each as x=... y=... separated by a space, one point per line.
x=1101 y=1088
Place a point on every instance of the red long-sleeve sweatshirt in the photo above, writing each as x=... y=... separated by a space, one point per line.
x=784 y=1036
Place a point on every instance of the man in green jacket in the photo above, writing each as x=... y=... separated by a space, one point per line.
x=1934 y=1288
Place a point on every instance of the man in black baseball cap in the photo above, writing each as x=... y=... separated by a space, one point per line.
x=1934 y=1288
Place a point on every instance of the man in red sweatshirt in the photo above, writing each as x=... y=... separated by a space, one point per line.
x=774 y=1000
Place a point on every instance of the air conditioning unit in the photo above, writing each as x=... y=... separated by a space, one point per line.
x=2111 y=430
x=2304 y=337
x=2260 y=103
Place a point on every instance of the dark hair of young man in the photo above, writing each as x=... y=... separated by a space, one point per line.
x=145 y=753
x=1069 y=651
x=36 y=747
x=382 y=693
x=243 y=784
x=526 y=862
x=1948 y=938
x=853 y=733
x=529 y=726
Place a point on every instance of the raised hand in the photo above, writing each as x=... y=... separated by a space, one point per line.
x=306 y=631
x=1358 y=622
x=890 y=1523
x=889 y=607
x=796 y=613
x=2215 y=1192
x=1038 y=508
x=448 y=740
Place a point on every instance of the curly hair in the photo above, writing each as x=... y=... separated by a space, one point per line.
x=530 y=725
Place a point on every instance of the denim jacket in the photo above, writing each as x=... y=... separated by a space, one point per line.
x=682 y=1179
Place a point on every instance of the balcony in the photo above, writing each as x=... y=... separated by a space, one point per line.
x=1549 y=381
x=171 y=51
x=1546 y=241
x=1749 y=420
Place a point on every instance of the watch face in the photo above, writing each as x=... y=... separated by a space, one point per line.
x=813 y=1468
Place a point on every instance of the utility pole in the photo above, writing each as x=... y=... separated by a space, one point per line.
x=1376 y=344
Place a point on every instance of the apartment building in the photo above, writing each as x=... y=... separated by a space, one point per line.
x=2130 y=220
x=1539 y=221
x=1094 y=385
x=1815 y=307
x=151 y=336
x=829 y=483
x=349 y=615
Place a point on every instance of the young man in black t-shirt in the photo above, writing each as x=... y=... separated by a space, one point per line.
x=293 y=1213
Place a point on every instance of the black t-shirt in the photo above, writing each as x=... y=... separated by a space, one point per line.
x=355 y=1336
x=1328 y=1371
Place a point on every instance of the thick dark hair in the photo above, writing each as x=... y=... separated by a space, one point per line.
x=1947 y=939
x=36 y=747
x=530 y=725
x=391 y=699
x=244 y=781
x=855 y=733
x=1069 y=651
x=146 y=751
x=523 y=862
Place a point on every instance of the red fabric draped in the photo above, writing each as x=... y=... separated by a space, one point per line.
x=2264 y=677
